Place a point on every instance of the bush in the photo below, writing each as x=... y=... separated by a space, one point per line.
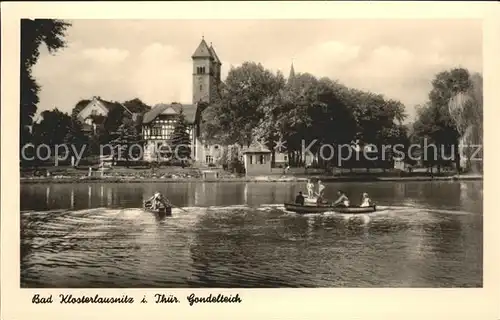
x=178 y=163
x=236 y=166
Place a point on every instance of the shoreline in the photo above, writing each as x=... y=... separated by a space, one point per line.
x=282 y=179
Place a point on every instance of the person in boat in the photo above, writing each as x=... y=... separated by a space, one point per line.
x=310 y=189
x=157 y=200
x=342 y=201
x=321 y=191
x=366 y=201
x=299 y=199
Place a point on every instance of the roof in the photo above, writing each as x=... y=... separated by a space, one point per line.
x=256 y=147
x=203 y=51
x=110 y=105
x=212 y=50
x=82 y=104
x=189 y=111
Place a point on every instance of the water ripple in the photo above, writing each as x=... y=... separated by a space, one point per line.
x=241 y=246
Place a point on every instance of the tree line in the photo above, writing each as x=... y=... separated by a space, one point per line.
x=255 y=103
x=304 y=109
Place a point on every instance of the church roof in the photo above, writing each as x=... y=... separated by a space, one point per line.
x=212 y=50
x=189 y=111
x=203 y=51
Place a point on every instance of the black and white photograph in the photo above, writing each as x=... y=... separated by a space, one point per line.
x=182 y=159
x=251 y=153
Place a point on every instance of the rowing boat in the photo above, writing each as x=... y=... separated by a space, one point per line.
x=302 y=209
x=159 y=212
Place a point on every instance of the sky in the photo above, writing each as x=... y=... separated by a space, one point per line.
x=151 y=59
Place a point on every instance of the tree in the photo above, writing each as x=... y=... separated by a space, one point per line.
x=257 y=104
x=125 y=138
x=435 y=130
x=237 y=112
x=75 y=138
x=52 y=129
x=446 y=85
x=138 y=109
x=34 y=33
x=181 y=142
x=136 y=106
x=466 y=110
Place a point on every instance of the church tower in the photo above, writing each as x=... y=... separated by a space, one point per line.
x=206 y=73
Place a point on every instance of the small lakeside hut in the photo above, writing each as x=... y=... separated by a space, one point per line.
x=257 y=160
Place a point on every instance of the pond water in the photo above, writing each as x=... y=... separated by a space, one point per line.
x=425 y=234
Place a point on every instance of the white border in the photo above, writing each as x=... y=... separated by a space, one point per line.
x=269 y=303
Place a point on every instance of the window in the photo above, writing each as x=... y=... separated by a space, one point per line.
x=156 y=131
x=162 y=129
x=200 y=70
x=209 y=159
x=201 y=87
x=250 y=159
x=261 y=159
x=169 y=128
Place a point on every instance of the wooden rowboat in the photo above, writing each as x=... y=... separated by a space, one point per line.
x=297 y=208
x=159 y=212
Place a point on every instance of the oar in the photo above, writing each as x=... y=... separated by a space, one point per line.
x=173 y=205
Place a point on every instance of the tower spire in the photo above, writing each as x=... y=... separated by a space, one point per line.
x=291 y=76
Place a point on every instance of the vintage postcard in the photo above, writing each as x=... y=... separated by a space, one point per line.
x=238 y=160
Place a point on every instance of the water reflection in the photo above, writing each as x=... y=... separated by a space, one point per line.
x=89 y=193
x=400 y=190
x=237 y=235
x=72 y=199
x=47 y=195
x=245 y=192
x=442 y=195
